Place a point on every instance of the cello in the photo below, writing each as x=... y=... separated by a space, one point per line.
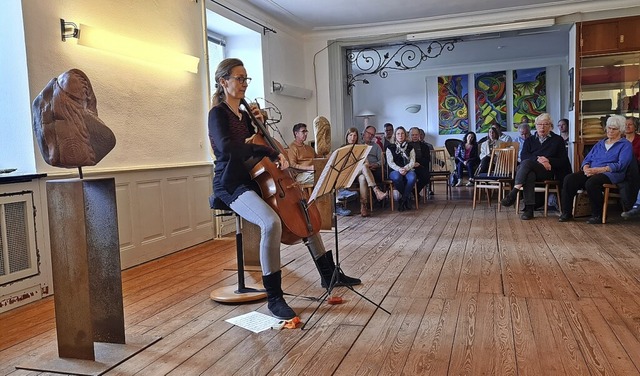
x=281 y=191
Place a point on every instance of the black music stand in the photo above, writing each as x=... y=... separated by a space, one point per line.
x=341 y=170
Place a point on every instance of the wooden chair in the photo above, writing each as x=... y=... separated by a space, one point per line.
x=389 y=184
x=502 y=170
x=440 y=172
x=547 y=186
x=610 y=190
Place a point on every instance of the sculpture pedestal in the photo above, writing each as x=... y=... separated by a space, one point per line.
x=85 y=257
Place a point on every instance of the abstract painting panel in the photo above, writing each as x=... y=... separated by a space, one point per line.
x=453 y=104
x=491 y=100
x=529 y=94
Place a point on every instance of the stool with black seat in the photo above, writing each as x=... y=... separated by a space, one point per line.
x=240 y=293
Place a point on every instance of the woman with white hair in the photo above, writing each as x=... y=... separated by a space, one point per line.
x=606 y=163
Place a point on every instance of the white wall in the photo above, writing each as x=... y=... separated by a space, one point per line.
x=158 y=116
x=16 y=146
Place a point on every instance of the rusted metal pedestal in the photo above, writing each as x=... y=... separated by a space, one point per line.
x=85 y=257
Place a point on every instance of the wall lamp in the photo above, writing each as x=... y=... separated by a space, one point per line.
x=68 y=30
x=290 y=90
x=89 y=36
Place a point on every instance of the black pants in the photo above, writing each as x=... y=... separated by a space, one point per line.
x=592 y=184
x=528 y=173
x=423 y=176
x=484 y=164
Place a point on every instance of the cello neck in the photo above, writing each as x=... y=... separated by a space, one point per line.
x=260 y=125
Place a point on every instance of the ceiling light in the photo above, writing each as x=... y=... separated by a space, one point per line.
x=450 y=33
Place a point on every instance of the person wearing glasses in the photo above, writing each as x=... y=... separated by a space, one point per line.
x=401 y=158
x=229 y=127
x=606 y=163
x=301 y=155
x=374 y=158
x=544 y=157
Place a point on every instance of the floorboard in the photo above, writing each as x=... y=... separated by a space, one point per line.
x=470 y=292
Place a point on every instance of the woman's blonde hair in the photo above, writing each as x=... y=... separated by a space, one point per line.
x=223 y=71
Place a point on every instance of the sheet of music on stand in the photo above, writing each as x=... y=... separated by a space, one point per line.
x=343 y=167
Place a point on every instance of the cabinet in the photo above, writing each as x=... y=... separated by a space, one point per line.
x=607 y=77
x=610 y=36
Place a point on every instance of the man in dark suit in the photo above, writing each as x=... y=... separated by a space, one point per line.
x=544 y=157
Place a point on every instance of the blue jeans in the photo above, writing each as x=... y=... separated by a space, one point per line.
x=404 y=184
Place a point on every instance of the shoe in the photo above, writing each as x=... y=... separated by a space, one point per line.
x=364 y=209
x=469 y=184
x=459 y=183
x=379 y=194
x=594 y=220
x=342 y=211
x=510 y=199
x=565 y=217
x=430 y=193
x=407 y=205
x=326 y=267
x=632 y=213
x=527 y=214
x=275 y=297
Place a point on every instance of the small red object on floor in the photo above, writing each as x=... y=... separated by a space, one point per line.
x=334 y=300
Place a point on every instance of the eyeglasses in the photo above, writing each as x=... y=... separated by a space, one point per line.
x=547 y=124
x=241 y=79
x=370 y=133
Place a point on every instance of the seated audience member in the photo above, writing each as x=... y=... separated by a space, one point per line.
x=374 y=158
x=365 y=178
x=486 y=147
x=501 y=135
x=467 y=158
x=544 y=157
x=524 y=132
x=423 y=159
x=606 y=163
x=301 y=160
x=422 y=136
x=388 y=136
x=630 y=133
x=301 y=155
x=563 y=128
x=400 y=159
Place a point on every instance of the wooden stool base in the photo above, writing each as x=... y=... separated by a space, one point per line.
x=230 y=294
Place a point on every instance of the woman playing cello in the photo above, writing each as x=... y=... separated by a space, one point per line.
x=229 y=127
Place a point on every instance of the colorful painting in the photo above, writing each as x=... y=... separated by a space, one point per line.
x=491 y=100
x=529 y=94
x=453 y=104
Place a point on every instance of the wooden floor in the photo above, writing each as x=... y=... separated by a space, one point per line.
x=470 y=293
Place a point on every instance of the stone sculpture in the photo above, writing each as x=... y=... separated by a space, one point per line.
x=322 y=130
x=66 y=124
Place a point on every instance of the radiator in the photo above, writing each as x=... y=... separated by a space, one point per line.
x=18 y=251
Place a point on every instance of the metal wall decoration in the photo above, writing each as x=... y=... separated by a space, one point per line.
x=379 y=60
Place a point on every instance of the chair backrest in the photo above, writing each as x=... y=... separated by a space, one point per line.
x=439 y=160
x=503 y=162
x=452 y=144
x=513 y=144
